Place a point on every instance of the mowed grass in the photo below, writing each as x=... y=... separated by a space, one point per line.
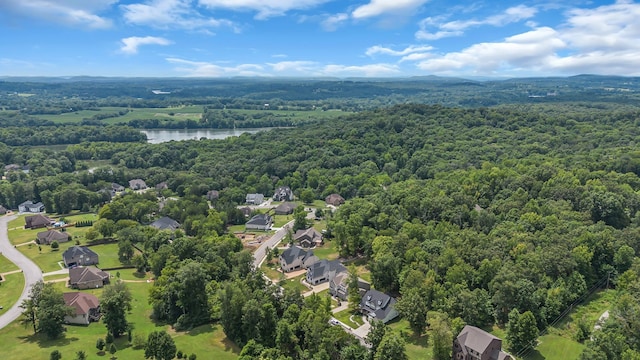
x=207 y=341
x=193 y=112
x=10 y=290
x=294 y=283
x=416 y=347
x=345 y=317
x=270 y=271
x=19 y=235
x=6 y=265
x=555 y=347
x=327 y=251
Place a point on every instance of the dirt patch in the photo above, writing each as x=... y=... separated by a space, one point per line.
x=251 y=240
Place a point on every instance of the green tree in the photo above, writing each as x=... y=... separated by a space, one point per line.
x=100 y=344
x=112 y=349
x=115 y=302
x=413 y=307
x=353 y=289
x=160 y=346
x=392 y=347
x=55 y=355
x=300 y=219
x=55 y=246
x=81 y=355
x=51 y=311
x=307 y=196
x=29 y=306
x=125 y=250
x=376 y=334
x=441 y=337
x=522 y=330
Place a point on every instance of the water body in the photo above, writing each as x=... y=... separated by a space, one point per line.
x=156 y=136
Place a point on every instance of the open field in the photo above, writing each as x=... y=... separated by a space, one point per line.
x=205 y=341
x=10 y=290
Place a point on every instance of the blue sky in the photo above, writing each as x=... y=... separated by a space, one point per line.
x=313 y=38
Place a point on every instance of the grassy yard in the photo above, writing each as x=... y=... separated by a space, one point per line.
x=345 y=317
x=327 y=251
x=416 y=346
x=270 y=271
x=45 y=257
x=19 y=235
x=555 y=347
x=294 y=283
x=6 y=265
x=207 y=341
x=281 y=220
x=10 y=290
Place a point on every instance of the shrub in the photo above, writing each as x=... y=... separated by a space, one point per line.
x=55 y=246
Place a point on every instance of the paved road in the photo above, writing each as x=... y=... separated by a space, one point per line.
x=260 y=254
x=31 y=271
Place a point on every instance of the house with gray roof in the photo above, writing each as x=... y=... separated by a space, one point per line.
x=285 y=208
x=378 y=306
x=213 y=195
x=87 y=278
x=323 y=271
x=3 y=210
x=117 y=187
x=259 y=222
x=334 y=199
x=283 y=193
x=79 y=256
x=165 y=223
x=308 y=238
x=137 y=184
x=295 y=258
x=49 y=236
x=30 y=206
x=476 y=344
x=339 y=286
x=254 y=199
x=37 y=221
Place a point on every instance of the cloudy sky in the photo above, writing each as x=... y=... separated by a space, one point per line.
x=341 y=38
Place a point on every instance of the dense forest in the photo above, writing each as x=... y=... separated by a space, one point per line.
x=469 y=213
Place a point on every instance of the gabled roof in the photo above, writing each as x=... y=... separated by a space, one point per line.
x=252 y=197
x=260 y=219
x=117 y=187
x=295 y=252
x=30 y=203
x=139 y=183
x=379 y=305
x=311 y=233
x=479 y=340
x=334 y=199
x=50 y=236
x=76 y=251
x=3 y=210
x=37 y=220
x=161 y=186
x=286 y=207
x=165 y=223
x=81 y=302
x=324 y=268
x=81 y=275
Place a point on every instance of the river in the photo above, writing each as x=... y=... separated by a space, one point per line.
x=156 y=136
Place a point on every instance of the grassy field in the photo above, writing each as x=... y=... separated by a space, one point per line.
x=206 y=341
x=19 y=235
x=280 y=220
x=327 y=251
x=345 y=317
x=294 y=283
x=10 y=290
x=416 y=346
x=6 y=265
x=270 y=271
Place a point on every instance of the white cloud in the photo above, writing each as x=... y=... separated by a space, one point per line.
x=172 y=14
x=602 y=40
x=457 y=27
x=332 y=22
x=290 y=68
x=264 y=8
x=68 y=12
x=206 y=69
x=370 y=70
x=130 y=45
x=406 y=51
x=384 y=7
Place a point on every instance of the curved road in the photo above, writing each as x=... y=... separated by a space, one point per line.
x=31 y=271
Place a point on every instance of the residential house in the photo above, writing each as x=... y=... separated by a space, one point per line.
x=12 y=167
x=37 y=221
x=79 y=256
x=295 y=258
x=117 y=187
x=308 y=238
x=379 y=306
x=254 y=199
x=285 y=208
x=87 y=278
x=476 y=344
x=334 y=199
x=162 y=186
x=259 y=222
x=246 y=211
x=49 y=236
x=283 y=193
x=165 y=223
x=86 y=306
x=3 y=210
x=213 y=195
x=324 y=270
x=30 y=206
x=339 y=286
x=137 y=184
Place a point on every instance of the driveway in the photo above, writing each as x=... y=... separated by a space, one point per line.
x=31 y=271
x=260 y=254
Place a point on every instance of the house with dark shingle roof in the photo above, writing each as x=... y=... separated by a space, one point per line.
x=334 y=199
x=30 y=206
x=3 y=210
x=259 y=222
x=283 y=193
x=87 y=277
x=79 y=256
x=212 y=195
x=165 y=223
x=473 y=343
x=378 y=306
x=117 y=187
x=295 y=258
x=308 y=238
x=86 y=306
x=49 y=236
x=339 y=286
x=323 y=271
x=254 y=199
x=37 y=221
x=285 y=208
x=137 y=184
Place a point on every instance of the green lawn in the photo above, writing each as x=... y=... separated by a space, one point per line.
x=45 y=257
x=207 y=341
x=108 y=255
x=294 y=283
x=281 y=220
x=19 y=235
x=416 y=346
x=555 y=347
x=10 y=290
x=327 y=251
x=345 y=317
x=270 y=271
x=55 y=277
x=6 y=265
